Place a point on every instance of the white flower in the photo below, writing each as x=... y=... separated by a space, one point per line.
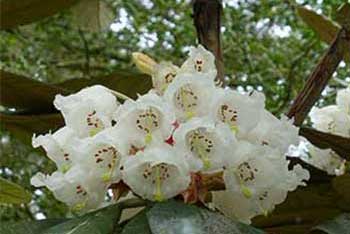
x=240 y=112
x=324 y=159
x=103 y=154
x=343 y=100
x=58 y=147
x=189 y=95
x=77 y=188
x=331 y=119
x=201 y=61
x=158 y=173
x=258 y=181
x=146 y=119
x=208 y=146
x=88 y=111
x=274 y=132
x=164 y=74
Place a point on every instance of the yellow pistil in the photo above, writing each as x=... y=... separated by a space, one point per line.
x=94 y=131
x=65 y=168
x=234 y=129
x=79 y=206
x=246 y=191
x=158 y=196
x=148 y=138
x=106 y=177
x=189 y=115
x=203 y=155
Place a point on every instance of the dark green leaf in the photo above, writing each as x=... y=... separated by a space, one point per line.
x=18 y=12
x=138 y=224
x=339 y=225
x=12 y=193
x=98 y=222
x=24 y=126
x=324 y=27
x=125 y=82
x=178 y=218
x=28 y=227
x=27 y=95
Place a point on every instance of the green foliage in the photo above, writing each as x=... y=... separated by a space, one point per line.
x=28 y=227
x=11 y=193
x=339 y=225
x=177 y=218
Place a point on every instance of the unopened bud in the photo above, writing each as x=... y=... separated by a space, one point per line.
x=144 y=63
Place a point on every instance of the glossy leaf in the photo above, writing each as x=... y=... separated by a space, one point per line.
x=138 y=224
x=11 y=193
x=178 y=218
x=28 y=227
x=102 y=221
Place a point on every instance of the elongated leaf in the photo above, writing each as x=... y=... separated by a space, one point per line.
x=178 y=218
x=324 y=27
x=33 y=97
x=24 y=126
x=18 y=12
x=27 y=95
x=102 y=221
x=12 y=193
x=138 y=224
x=128 y=83
x=28 y=227
x=338 y=225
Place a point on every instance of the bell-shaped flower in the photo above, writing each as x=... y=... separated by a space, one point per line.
x=103 y=154
x=58 y=147
x=277 y=133
x=164 y=74
x=331 y=119
x=77 y=188
x=207 y=145
x=343 y=100
x=148 y=118
x=88 y=111
x=240 y=112
x=189 y=95
x=257 y=182
x=157 y=173
x=200 y=61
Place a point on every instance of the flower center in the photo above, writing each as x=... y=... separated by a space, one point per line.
x=228 y=115
x=81 y=195
x=201 y=144
x=94 y=123
x=157 y=175
x=107 y=158
x=245 y=173
x=186 y=100
x=198 y=65
x=148 y=121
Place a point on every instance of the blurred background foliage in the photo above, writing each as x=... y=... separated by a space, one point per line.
x=266 y=46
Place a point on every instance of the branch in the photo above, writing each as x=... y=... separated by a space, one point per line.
x=206 y=17
x=319 y=78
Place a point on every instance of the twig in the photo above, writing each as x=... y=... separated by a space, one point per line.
x=87 y=52
x=207 y=20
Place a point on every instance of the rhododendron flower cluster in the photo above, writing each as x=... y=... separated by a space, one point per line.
x=186 y=125
x=334 y=119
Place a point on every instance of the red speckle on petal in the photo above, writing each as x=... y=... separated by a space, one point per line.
x=170 y=140
x=176 y=124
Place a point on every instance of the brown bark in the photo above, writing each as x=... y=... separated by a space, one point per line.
x=319 y=78
x=207 y=20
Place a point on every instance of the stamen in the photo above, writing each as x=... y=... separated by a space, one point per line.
x=158 y=194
